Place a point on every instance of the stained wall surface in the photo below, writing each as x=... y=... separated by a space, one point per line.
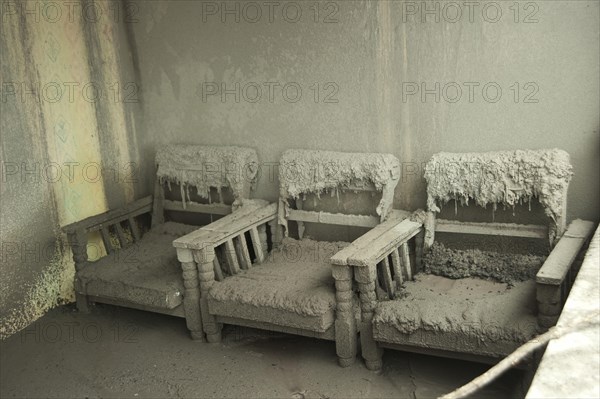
x=409 y=78
x=69 y=144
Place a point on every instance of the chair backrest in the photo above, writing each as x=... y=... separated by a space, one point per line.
x=502 y=177
x=313 y=172
x=204 y=172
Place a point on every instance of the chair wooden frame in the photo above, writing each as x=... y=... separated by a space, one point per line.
x=258 y=221
x=156 y=206
x=398 y=252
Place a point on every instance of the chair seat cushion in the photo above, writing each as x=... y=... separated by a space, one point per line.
x=146 y=273
x=465 y=315
x=292 y=287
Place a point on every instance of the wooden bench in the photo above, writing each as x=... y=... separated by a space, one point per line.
x=140 y=269
x=253 y=274
x=469 y=318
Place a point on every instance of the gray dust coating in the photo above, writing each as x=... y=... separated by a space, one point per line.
x=471 y=307
x=306 y=171
x=488 y=265
x=500 y=177
x=129 y=353
x=204 y=167
x=147 y=272
x=296 y=277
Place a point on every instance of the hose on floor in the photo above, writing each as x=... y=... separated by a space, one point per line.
x=520 y=353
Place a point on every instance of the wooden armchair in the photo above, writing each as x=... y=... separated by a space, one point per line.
x=140 y=269
x=406 y=306
x=252 y=273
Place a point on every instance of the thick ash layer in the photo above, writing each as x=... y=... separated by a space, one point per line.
x=502 y=177
x=53 y=286
x=296 y=277
x=145 y=273
x=466 y=307
x=204 y=167
x=488 y=265
x=306 y=171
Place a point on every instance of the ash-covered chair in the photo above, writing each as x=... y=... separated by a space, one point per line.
x=140 y=270
x=480 y=303
x=254 y=274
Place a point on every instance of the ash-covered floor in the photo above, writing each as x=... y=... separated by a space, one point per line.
x=118 y=352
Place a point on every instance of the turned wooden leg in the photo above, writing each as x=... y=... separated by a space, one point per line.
x=419 y=241
x=275 y=232
x=191 y=298
x=82 y=302
x=78 y=243
x=301 y=228
x=561 y=221
x=371 y=352
x=429 y=225
x=205 y=259
x=262 y=234
x=345 y=323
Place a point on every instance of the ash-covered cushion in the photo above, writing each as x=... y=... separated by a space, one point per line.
x=470 y=314
x=295 y=279
x=488 y=265
x=147 y=273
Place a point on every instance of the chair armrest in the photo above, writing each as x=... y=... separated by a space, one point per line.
x=250 y=215
x=378 y=242
x=554 y=279
x=199 y=247
x=370 y=252
x=77 y=232
x=110 y=217
x=557 y=265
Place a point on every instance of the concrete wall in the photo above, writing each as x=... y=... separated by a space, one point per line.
x=69 y=145
x=367 y=57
